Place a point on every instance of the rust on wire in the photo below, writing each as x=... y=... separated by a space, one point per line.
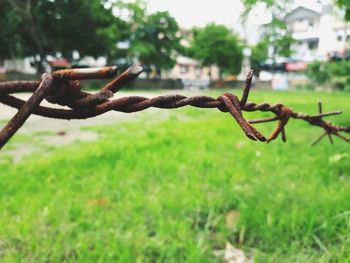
x=63 y=87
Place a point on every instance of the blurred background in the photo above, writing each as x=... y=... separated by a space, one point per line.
x=182 y=44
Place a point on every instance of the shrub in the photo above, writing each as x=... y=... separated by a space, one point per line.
x=308 y=86
x=318 y=72
x=335 y=73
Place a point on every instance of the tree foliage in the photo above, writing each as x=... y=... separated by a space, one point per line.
x=217 y=45
x=345 y=6
x=335 y=73
x=259 y=54
x=38 y=28
x=276 y=34
x=275 y=6
x=154 y=39
x=9 y=38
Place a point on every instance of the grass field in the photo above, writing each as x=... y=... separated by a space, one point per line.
x=177 y=190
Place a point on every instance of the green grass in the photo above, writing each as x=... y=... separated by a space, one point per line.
x=162 y=192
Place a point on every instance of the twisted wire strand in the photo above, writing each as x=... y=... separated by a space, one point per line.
x=65 y=90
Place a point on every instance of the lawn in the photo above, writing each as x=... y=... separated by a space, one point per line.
x=178 y=189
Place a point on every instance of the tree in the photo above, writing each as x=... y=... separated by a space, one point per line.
x=259 y=55
x=45 y=27
x=344 y=5
x=9 y=24
x=154 y=39
x=159 y=34
x=276 y=6
x=274 y=33
x=217 y=45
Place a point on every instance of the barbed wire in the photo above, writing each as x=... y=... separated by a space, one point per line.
x=63 y=88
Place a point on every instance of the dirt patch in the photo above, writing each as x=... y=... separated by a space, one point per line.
x=64 y=138
x=43 y=132
x=19 y=150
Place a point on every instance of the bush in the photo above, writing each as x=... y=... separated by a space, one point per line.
x=335 y=73
x=308 y=86
x=318 y=72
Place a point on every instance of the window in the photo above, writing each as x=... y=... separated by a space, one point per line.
x=198 y=71
x=311 y=25
x=184 y=69
x=339 y=38
x=2 y=67
x=313 y=44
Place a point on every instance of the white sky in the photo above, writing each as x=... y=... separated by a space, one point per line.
x=191 y=13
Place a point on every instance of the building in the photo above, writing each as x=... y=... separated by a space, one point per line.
x=319 y=33
x=17 y=65
x=188 y=68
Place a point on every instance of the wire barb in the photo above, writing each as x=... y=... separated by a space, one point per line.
x=25 y=111
x=63 y=88
x=247 y=87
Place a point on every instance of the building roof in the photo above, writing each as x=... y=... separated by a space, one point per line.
x=300 y=12
x=59 y=62
x=186 y=61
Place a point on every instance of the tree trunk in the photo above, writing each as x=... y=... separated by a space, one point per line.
x=220 y=75
x=209 y=74
x=24 y=8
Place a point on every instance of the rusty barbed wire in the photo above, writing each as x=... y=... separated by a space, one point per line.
x=63 y=88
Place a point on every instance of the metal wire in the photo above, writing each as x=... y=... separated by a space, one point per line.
x=63 y=87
